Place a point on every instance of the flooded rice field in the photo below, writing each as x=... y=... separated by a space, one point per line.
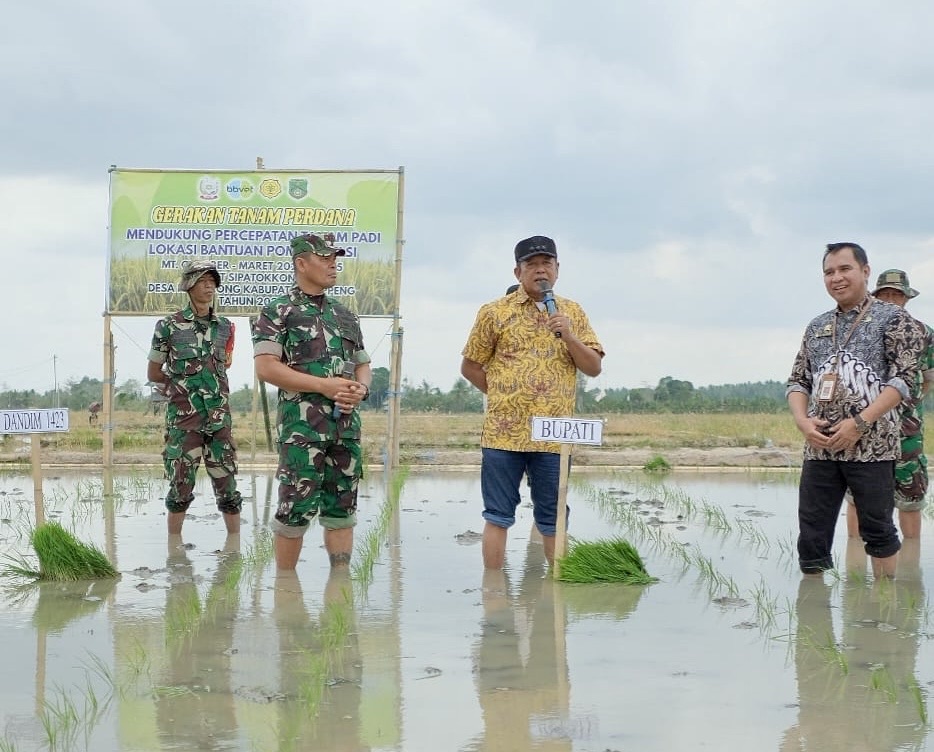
x=200 y=646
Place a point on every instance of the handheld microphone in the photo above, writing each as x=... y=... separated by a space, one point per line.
x=347 y=373
x=548 y=298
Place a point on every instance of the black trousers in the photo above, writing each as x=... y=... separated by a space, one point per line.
x=820 y=494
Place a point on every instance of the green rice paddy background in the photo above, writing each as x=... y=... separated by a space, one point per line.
x=372 y=281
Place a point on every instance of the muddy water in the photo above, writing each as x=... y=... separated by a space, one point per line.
x=200 y=646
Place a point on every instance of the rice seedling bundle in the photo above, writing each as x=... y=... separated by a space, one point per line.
x=606 y=560
x=64 y=557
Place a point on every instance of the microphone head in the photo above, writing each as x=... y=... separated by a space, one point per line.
x=544 y=287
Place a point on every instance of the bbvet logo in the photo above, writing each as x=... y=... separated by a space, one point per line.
x=239 y=190
x=270 y=188
x=209 y=188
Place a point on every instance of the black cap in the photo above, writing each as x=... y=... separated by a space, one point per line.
x=537 y=245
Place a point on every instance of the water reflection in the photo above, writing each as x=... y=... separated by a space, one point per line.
x=857 y=683
x=194 y=705
x=214 y=651
x=520 y=661
x=320 y=666
x=60 y=603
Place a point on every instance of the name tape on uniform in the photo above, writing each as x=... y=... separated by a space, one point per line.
x=568 y=430
x=34 y=421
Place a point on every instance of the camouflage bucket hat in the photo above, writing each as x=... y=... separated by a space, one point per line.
x=192 y=271
x=317 y=244
x=897 y=280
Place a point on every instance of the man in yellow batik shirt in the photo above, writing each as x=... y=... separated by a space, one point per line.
x=524 y=352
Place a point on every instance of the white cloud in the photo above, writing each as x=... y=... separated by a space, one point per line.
x=691 y=160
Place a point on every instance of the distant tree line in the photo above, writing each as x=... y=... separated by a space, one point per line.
x=669 y=395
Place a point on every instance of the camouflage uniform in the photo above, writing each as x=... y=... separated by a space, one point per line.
x=197 y=415
x=320 y=457
x=911 y=473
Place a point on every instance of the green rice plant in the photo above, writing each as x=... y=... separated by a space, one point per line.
x=765 y=604
x=88 y=489
x=314 y=681
x=367 y=551
x=716 y=518
x=134 y=664
x=829 y=648
x=752 y=533
x=917 y=695
x=834 y=574
x=880 y=680
x=61 y=557
x=222 y=597
x=7 y=745
x=80 y=437
x=627 y=515
x=373 y=280
x=857 y=576
x=788 y=548
x=605 y=560
x=95 y=665
x=716 y=581
x=923 y=613
x=233 y=576
x=60 y=721
x=130 y=440
x=172 y=691
x=729 y=584
x=95 y=708
x=335 y=626
x=183 y=613
x=657 y=465
x=261 y=551
x=18 y=527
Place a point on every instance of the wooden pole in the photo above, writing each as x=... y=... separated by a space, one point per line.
x=395 y=359
x=561 y=652
x=110 y=516
x=107 y=408
x=253 y=408
x=561 y=525
x=36 y=456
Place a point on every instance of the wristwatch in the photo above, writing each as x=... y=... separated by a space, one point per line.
x=861 y=425
x=367 y=395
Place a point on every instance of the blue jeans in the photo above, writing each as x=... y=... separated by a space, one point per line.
x=501 y=473
x=820 y=494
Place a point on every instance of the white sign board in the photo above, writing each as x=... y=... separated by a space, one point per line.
x=53 y=420
x=568 y=430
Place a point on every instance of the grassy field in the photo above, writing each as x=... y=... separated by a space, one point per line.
x=143 y=433
x=620 y=432
x=426 y=433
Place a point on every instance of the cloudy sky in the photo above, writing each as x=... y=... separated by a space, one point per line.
x=691 y=159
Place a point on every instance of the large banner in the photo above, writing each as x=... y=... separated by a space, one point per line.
x=243 y=221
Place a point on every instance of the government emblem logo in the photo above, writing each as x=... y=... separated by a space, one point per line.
x=270 y=188
x=298 y=188
x=209 y=188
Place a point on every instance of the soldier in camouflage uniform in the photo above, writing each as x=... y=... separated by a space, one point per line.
x=191 y=351
x=311 y=347
x=911 y=473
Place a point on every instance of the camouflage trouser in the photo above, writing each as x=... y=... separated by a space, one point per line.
x=911 y=471
x=317 y=479
x=182 y=456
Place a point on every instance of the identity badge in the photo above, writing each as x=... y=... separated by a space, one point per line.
x=827 y=386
